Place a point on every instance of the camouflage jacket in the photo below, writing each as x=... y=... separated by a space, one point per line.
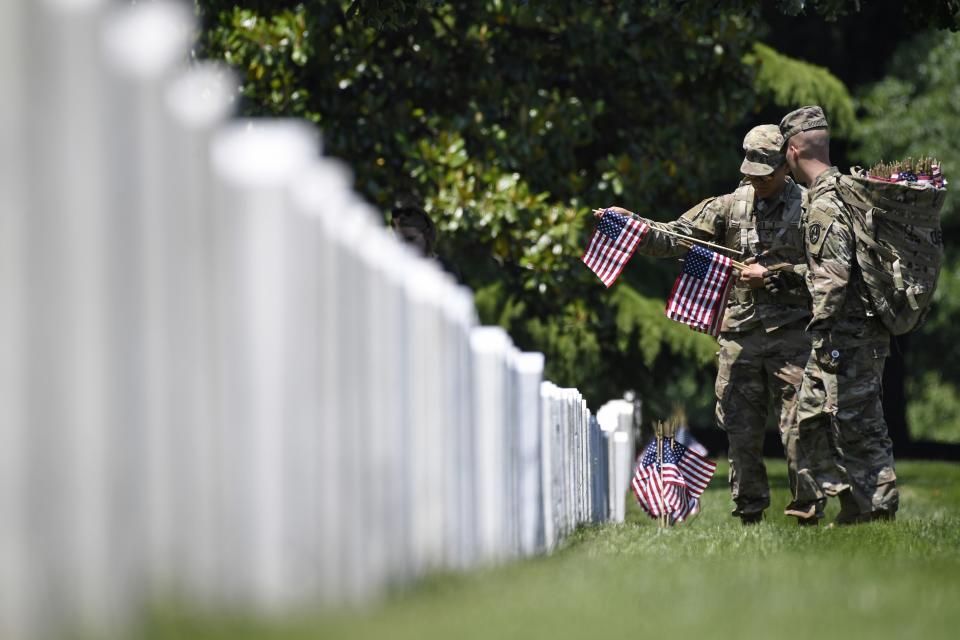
x=768 y=231
x=841 y=310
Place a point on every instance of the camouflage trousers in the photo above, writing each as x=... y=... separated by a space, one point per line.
x=760 y=373
x=840 y=409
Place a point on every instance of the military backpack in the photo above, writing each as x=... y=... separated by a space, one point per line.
x=899 y=245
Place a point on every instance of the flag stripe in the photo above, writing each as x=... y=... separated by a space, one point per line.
x=700 y=293
x=647 y=490
x=718 y=316
x=622 y=250
x=703 y=296
x=674 y=484
x=612 y=245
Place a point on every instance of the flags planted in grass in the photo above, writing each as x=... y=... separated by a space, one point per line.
x=684 y=437
x=612 y=244
x=673 y=487
x=699 y=295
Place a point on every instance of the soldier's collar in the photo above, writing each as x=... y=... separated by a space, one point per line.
x=823 y=178
x=783 y=196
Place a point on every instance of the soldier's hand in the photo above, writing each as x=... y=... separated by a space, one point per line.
x=784 y=279
x=752 y=275
x=773 y=282
x=598 y=213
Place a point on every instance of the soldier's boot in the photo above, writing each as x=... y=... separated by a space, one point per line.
x=849 y=510
x=752 y=518
x=806 y=516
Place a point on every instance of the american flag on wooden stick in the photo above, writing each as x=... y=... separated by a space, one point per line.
x=699 y=295
x=612 y=244
x=673 y=487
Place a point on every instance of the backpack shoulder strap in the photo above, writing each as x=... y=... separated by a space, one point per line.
x=743 y=199
x=741 y=213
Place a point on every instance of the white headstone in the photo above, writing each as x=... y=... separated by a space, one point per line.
x=142 y=46
x=352 y=378
x=530 y=485
x=461 y=508
x=197 y=101
x=390 y=491
x=428 y=432
x=323 y=191
x=547 y=464
x=68 y=482
x=623 y=468
x=616 y=417
x=253 y=162
x=490 y=347
x=512 y=431
x=17 y=606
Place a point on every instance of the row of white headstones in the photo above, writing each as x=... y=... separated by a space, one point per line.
x=221 y=378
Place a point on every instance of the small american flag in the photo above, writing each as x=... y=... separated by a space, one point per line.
x=674 y=487
x=699 y=295
x=612 y=244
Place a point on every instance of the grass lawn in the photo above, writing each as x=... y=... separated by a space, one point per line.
x=713 y=578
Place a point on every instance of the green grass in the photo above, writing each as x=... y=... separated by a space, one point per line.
x=713 y=578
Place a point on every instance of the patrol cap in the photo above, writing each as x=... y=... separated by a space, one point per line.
x=762 y=147
x=802 y=119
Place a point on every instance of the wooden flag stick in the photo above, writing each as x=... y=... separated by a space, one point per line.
x=739 y=266
x=689 y=241
x=662 y=520
x=682 y=236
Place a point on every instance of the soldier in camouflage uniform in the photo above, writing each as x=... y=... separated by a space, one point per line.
x=839 y=402
x=763 y=346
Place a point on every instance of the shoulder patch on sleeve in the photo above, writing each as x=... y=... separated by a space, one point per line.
x=819 y=222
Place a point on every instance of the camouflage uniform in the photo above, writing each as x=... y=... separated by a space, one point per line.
x=763 y=347
x=839 y=405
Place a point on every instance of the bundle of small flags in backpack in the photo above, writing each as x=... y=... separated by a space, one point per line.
x=924 y=170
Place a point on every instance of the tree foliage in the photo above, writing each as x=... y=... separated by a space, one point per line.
x=930 y=14
x=510 y=120
x=915 y=111
x=790 y=82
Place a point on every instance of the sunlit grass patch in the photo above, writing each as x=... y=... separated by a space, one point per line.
x=713 y=578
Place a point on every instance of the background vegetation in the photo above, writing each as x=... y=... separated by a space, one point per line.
x=509 y=120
